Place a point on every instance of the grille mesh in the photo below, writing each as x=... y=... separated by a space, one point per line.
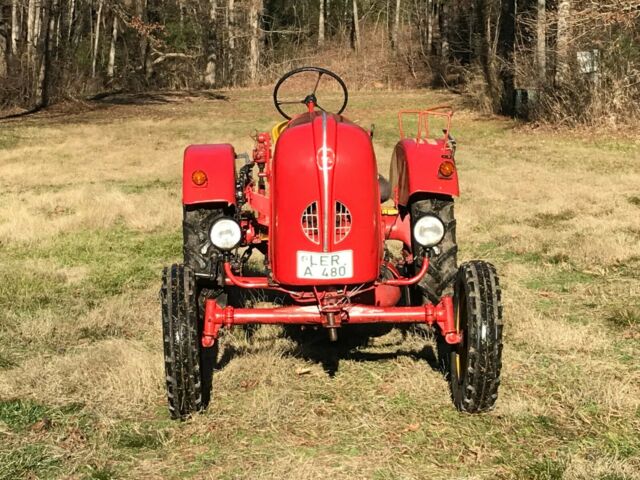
x=343 y=222
x=310 y=225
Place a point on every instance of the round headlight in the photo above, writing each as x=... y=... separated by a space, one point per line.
x=225 y=233
x=428 y=231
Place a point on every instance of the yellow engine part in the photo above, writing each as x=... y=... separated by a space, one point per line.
x=277 y=129
x=389 y=211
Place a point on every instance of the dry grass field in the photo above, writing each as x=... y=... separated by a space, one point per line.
x=90 y=212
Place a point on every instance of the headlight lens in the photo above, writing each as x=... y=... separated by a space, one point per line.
x=225 y=233
x=428 y=231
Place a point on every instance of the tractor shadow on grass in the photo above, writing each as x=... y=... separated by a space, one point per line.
x=329 y=354
x=314 y=346
x=154 y=98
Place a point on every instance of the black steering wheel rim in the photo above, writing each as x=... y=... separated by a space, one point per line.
x=321 y=71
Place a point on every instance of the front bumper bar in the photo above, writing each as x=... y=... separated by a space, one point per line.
x=442 y=314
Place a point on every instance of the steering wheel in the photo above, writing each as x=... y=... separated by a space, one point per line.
x=310 y=100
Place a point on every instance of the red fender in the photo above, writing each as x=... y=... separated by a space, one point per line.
x=414 y=169
x=218 y=162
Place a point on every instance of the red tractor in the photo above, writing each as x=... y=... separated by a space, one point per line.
x=309 y=201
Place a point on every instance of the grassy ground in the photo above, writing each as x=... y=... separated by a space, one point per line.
x=90 y=212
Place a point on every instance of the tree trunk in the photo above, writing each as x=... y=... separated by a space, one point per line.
x=541 y=43
x=321 y=24
x=355 y=27
x=255 y=9
x=210 y=46
x=562 y=40
x=429 y=25
x=71 y=13
x=486 y=55
x=37 y=21
x=396 y=26
x=112 y=49
x=31 y=14
x=15 y=27
x=443 y=19
x=45 y=46
x=231 y=42
x=506 y=46
x=96 y=42
x=3 y=55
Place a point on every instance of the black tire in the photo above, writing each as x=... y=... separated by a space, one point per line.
x=199 y=253
x=181 y=341
x=474 y=366
x=442 y=267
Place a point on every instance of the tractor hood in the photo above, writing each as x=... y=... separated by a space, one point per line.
x=325 y=199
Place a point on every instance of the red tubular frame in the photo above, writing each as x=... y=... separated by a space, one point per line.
x=442 y=314
x=404 y=282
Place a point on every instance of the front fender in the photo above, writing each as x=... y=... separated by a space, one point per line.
x=414 y=169
x=218 y=163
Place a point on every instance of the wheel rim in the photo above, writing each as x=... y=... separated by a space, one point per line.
x=460 y=350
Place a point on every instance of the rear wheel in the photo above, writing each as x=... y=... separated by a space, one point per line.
x=181 y=341
x=473 y=367
x=443 y=263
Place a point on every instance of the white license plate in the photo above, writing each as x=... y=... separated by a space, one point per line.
x=320 y=266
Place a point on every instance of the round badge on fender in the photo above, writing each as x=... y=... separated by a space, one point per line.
x=330 y=159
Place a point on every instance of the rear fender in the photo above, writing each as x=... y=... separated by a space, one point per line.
x=414 y=169
x=218 y=163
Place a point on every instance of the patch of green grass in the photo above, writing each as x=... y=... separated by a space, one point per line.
x=6 y=361
x=139 y=437
x=142 y=187
x=19 y=414
x=385 y=474
x=118 y=259
x=95 y=472
x=625 y=317
x=622 y=444
x=23 y=292
x=402 y=403
x=614 y=476
x=494 y=250
x=545 y=469
x=8 y=139
x=549 y=220
x=561 y=281
x=27 y=462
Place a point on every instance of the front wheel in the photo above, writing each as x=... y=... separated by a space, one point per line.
x=474 y=365
x=181 y=341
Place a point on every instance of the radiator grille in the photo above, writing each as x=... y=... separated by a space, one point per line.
x=343 y=222
x=310 y=225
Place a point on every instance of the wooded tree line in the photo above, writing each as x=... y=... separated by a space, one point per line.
x=545 y=57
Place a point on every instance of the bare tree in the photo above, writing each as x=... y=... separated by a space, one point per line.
x=96 y=42
x=210 y=69
x=31 y=37
x=541 y=42
x=443 y=19
x=321 y=21
x=112 y=49
x=506 y=54
x=15 y=27
x=396 y=26
x=429 y=25
x=562 y=39
x=255 y=9
x=70 y=14
x=230 y=28
x=355 y=27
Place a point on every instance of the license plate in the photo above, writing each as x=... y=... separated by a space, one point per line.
x=321 y=266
